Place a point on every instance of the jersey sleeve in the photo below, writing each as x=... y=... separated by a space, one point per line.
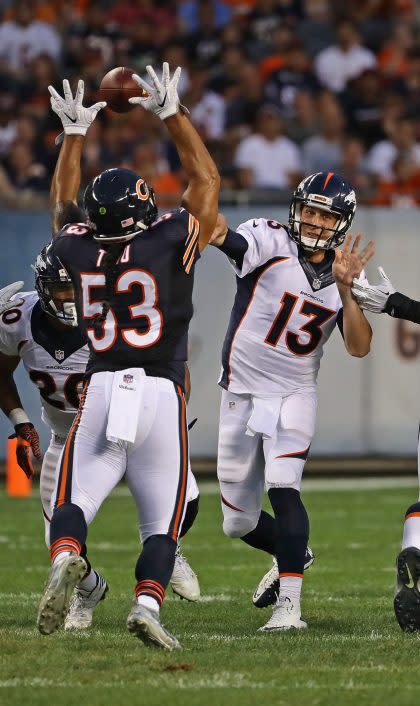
x=65 y=245
x=264 y=242
x=189 y=239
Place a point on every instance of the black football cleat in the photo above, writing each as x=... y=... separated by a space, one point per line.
x=407 y=596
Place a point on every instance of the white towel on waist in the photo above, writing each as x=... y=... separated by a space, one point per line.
x=125 y=404
x=264 y=417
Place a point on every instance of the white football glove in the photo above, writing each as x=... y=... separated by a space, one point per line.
x=75 y=117
x=5 y=296
x=162 y=98
x=373 y=297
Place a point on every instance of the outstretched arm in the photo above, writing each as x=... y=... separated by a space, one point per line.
x=201 y=195
x=383 y=297
x=76 y=120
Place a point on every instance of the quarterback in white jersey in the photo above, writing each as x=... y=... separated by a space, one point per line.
x=293 y=286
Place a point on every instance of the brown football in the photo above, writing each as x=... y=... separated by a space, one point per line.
x=117 y=87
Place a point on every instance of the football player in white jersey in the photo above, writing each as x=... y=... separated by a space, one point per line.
x=7 y=294
x=383 y=298
x=293 y=286
x=41 y=330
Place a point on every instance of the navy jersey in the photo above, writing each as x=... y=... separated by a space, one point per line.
x=149 y=294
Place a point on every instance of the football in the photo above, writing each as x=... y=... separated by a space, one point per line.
x=117 y=87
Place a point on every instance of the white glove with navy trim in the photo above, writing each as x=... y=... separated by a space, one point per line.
x=5 y=296
x=75 y=117
x=373 y=297
x=162 y=98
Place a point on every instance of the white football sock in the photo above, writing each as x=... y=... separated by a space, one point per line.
x=89 y=582
x=148 y=602
x=411 y=533
x=290 y=587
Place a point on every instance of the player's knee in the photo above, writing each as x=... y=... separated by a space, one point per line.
x=239 y=525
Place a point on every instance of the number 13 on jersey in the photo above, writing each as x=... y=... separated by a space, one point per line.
x=145 y=308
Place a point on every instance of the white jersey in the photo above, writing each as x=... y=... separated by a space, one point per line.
x=55 y=360
x=284 y=311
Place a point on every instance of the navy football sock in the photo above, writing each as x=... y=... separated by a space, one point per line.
x=292 y=529
x=263 y=535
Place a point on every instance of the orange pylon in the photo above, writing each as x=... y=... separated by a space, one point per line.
x=17 y=484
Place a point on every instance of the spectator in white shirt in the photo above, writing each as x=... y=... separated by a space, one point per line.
x=25 y=38
x=402 y=140
x=336 y=64
x=323 y=151
x=267 y=158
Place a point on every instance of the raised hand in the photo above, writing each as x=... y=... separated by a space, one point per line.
x=5 y=296
x=373 y=297
x=76 y=119
x=350 y=261
x=160 y=98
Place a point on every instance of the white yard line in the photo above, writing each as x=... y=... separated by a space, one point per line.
x=316 y=484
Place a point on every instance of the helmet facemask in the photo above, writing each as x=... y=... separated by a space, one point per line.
x=55 y=290
x=328 y=239
x=326 y=192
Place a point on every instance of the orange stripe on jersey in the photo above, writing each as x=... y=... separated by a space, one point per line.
x=192 y=258
x=191 y=239
x=329 y=175
x=412 y=514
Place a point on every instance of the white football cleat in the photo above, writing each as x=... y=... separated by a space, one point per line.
x=64 y=575
x=82 y=605
x=286 y=616
x=145 y=624
x=184 y=581
x=268 y=588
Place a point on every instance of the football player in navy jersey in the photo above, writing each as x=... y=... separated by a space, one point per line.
x=384 y=298
x=133 y=280
x=293 y=286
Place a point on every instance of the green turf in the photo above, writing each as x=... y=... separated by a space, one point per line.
x=352 y=653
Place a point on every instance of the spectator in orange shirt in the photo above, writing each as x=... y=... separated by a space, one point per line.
x=404 y=188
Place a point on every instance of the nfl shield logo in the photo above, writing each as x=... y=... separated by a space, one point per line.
x=59 y=355
x=128 y=379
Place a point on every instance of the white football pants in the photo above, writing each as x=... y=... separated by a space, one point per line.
x=156 y=464
x=242 y=479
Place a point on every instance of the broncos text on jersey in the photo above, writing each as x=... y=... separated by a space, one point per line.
x=284 y=311
x=55 y=360
x=149 y=294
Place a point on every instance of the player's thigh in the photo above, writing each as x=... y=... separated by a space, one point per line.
x=90 y=465
x=239 y=469
x=157 y=464
x=286 y=452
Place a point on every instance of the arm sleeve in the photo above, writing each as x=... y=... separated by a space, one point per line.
x=401 y=307
x=235 y=247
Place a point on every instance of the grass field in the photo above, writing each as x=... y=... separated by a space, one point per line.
x=352 y=653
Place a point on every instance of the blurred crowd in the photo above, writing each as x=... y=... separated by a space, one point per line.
x=277 y=89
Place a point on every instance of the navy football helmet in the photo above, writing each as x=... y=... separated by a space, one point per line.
x=119 y=204
x=54 y=287
x=328 y=192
